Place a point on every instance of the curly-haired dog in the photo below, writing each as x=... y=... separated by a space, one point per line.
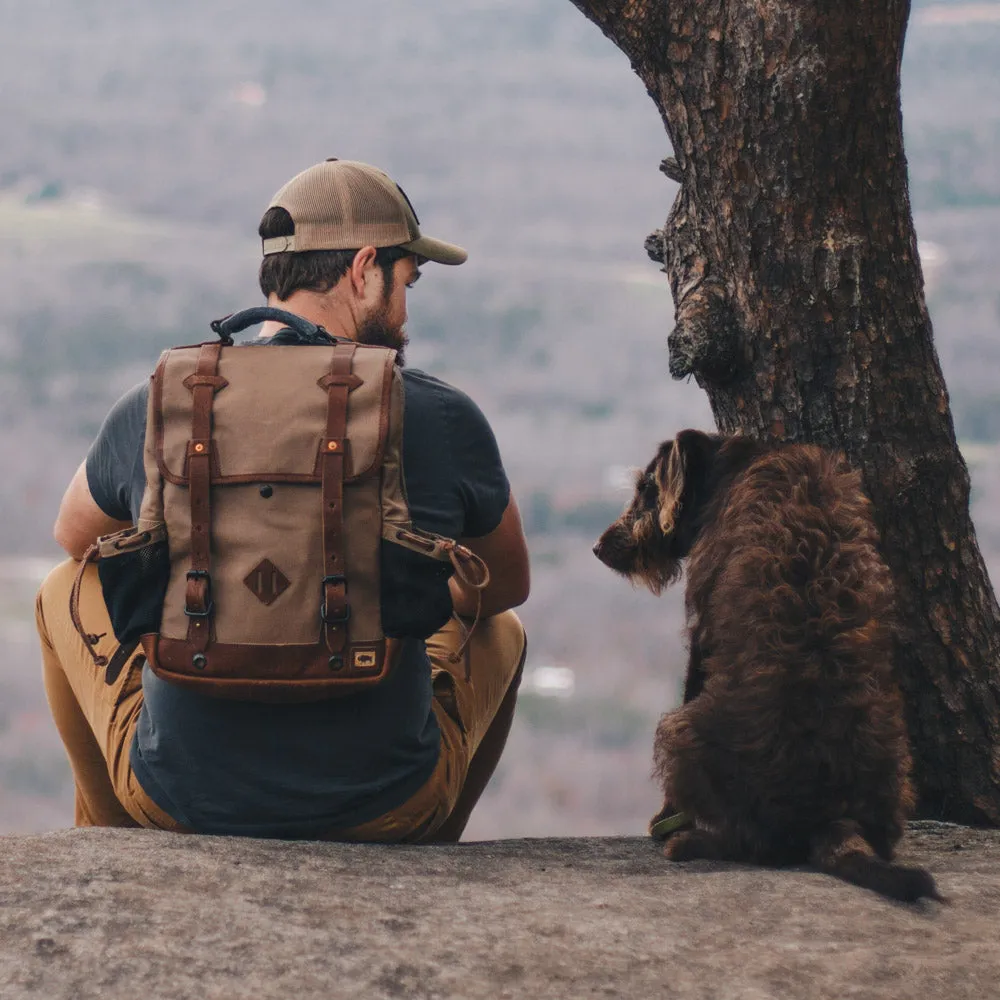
x=791 y=745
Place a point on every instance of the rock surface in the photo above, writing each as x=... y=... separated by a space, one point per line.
x=139 y=914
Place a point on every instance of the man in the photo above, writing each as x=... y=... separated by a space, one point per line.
x=403 y=761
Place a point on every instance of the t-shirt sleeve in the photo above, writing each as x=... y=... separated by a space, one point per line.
x=483 y=481
x=114 y=461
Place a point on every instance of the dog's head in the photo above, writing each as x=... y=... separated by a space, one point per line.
x=659 y=526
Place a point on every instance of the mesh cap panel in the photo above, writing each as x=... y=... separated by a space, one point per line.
x=345 y=205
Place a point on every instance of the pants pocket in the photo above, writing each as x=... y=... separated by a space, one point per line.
x=446 y=695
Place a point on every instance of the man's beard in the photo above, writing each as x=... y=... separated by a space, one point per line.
x=376 y=330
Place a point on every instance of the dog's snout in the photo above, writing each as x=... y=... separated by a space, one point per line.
x=597 y=548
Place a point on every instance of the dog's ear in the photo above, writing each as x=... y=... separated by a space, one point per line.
x=681 y=475
x=670 y=480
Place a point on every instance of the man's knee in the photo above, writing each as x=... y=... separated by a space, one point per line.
x=507 y=628
x=55 y=588
x=508 y=643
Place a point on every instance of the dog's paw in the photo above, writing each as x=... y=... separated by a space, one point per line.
x=689 y=845
x=679 y=847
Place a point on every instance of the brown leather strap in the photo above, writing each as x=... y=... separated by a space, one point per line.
x=198 y=594
x=335 y=610
x=473 y=574
x=89 y=640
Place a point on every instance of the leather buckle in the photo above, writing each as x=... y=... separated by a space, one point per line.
x=201 y=574
x=327 y=618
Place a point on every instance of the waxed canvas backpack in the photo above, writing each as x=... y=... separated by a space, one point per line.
x=274 y=507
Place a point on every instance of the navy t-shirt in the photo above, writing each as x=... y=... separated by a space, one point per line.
x=230 y=767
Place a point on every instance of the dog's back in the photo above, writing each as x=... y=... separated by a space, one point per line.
x=785 y=578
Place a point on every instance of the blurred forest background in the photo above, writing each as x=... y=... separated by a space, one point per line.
x=143 y=141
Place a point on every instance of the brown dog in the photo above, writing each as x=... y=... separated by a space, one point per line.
x=791 y=745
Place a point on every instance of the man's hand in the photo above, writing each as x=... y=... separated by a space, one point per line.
x=81 y=522
x=505 y=552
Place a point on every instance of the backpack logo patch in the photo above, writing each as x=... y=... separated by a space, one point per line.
x=266 y=582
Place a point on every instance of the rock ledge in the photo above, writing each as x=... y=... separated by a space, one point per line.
x=136 y=914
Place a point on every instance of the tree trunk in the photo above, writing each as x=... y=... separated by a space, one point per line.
x=799 y=305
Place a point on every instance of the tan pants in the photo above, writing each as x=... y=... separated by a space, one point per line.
x=97 y=720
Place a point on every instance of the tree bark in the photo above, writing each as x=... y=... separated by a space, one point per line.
x=799 y=303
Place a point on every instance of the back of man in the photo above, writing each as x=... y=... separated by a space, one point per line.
x=404 y=760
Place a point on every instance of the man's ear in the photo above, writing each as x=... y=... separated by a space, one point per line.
x=361 y=268
x=670 y=471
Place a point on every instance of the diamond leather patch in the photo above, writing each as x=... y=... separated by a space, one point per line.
x=266 y=582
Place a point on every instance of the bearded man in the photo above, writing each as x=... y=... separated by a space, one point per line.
x=405 y=760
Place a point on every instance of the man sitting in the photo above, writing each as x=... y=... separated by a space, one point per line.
x=405 y=760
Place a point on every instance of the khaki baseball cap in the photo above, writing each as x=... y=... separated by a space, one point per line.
x=346 y=205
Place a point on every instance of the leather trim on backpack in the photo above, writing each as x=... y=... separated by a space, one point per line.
x=335 y=611
x=246 y=672
x=203 y=386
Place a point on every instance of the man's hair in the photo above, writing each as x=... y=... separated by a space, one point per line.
x=312 y=270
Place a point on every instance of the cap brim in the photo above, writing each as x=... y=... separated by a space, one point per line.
x=436 y=250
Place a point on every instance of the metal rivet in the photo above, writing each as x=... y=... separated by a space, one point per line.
x=199 y=661
x=336 y=663
x=332 y=445
x=199 y=447
x=267 y=491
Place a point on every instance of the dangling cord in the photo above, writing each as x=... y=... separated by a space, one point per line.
x=461 y=558
x=89 y=640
